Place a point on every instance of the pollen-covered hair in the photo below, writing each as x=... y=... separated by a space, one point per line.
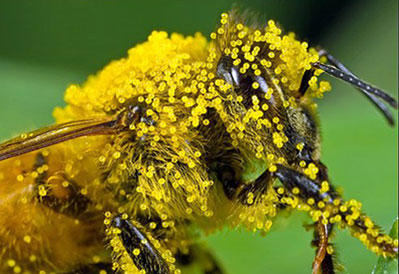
x=251 y=45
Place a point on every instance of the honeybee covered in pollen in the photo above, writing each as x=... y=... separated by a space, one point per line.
x=182 y=134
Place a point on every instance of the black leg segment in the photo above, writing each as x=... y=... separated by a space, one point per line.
x=291 y=178
x=323 y=261
x=144 y=255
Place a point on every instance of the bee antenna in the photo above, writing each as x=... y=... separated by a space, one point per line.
x=372 y=93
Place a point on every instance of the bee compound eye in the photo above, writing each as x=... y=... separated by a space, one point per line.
x=117 y=222
x=228 y=72
x=305 y=154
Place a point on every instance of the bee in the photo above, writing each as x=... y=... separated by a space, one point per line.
x=183 y=135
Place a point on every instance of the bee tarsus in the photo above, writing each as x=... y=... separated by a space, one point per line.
x=323 y=261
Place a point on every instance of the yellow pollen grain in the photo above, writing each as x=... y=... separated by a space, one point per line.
x=136 y=252
x=27 y=239
x=321 y=204
x=255 y=85
x=272 y=168
x=96 y=259
x=299 y=147
x=84 y=191
x=116 y=155
x=102 y=159
x=295 y=190
x=32 y=258
x=42 y=192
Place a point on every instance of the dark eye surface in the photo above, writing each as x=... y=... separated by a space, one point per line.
x=303 y=131
x=242 y=83
x=227 y=71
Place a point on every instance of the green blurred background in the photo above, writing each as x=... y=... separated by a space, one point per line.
x=46 y=45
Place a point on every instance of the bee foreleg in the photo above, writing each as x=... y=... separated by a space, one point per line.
x=144 y=255
x=308 y=188
x=323 y=262
x=257 y=188
x=333 y=209
x=237 y=190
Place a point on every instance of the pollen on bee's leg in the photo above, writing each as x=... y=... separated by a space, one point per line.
x=135 y=250
x=349 y=214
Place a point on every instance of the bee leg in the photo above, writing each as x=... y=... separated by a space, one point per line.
x=323 y=261
x=346 y=213
x=257 y=188
x=199 y=255
x=308 y=188
x=72 y=203
x=148 y=258
x=235 y=189
x=75 y=205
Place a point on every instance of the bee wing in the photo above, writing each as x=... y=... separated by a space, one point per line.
x=55 y=134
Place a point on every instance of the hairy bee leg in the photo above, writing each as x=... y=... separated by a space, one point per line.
x=234 y=189
x=323 y=262
x=73 y=203
x=198 y=254
x=309 y=188
x=348 y=212
x=257 y=188
x=148 y=257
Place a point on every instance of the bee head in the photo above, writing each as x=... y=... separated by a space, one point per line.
x=291 y=117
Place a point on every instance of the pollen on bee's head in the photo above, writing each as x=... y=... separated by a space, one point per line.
x=256 y=49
